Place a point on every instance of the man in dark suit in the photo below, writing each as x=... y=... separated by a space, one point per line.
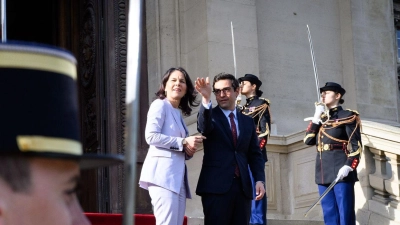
x=231 y=146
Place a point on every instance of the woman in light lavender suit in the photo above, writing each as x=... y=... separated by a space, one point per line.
x=164 y=172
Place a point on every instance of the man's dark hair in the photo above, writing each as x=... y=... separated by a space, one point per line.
x=226 y=76
x=189 y=99
x=15 y=172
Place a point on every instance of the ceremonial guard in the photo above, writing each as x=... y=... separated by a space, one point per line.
x=336 y=133
x=258 y=109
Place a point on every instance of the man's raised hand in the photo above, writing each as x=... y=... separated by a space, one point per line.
x=204 y=88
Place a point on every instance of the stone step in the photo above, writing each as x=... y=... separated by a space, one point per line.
x=199 y=221
x=294 y=222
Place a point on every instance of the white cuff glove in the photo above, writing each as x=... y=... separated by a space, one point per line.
x=319 y=109
x=344 y=171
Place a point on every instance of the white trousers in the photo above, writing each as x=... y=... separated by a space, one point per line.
x=169 y=207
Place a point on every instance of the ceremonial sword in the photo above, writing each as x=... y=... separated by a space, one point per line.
x=233 y=49
x=326 y=113
x=314 y=64
x=239 y=97
x=323 y=195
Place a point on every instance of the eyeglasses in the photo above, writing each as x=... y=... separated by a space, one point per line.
x=224 y=90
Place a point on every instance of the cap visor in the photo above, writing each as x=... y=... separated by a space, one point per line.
x=85 y=161
x=243 y=79
x=326 y=89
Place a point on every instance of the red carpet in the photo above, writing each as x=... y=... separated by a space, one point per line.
x=116 y=219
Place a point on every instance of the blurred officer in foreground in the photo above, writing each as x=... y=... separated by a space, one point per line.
x=40 y=151
x=258 y=109
x=336 y=133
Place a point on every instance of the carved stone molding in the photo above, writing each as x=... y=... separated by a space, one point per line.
x=88 y=49
x=121 y=57
x=87 y=81
x=120 y=62
x=90 y=81
x=90 y=125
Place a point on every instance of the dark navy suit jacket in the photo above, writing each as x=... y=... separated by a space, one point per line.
x=220 y=154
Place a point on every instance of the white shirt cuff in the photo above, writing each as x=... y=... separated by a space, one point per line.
x=207 y=106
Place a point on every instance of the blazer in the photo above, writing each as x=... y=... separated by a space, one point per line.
x=164 y=165
x=221 y=156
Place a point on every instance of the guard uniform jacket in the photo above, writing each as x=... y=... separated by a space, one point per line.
x=338 y=143
x=258 y=109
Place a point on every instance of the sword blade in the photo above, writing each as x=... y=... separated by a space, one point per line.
x=323 y=195
x=314 y=64
x=233 y=48
x=239 y=97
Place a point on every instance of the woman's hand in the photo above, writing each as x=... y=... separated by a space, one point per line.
x=193 y=143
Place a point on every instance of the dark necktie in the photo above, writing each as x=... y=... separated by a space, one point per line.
x=233 y=128
x=234 y=136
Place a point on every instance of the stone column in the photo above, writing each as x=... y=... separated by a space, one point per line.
x=163 y=39
x=377 y=180
x=393 y=185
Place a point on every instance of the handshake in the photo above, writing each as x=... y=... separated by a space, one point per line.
x=192 y=143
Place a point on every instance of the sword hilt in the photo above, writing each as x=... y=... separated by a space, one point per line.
x=325 y=115
x=238 y=100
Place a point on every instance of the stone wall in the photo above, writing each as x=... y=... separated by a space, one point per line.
x=285 y=59
x=369 y=57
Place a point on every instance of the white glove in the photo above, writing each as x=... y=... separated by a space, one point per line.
x=319 y=109
x=344 y=171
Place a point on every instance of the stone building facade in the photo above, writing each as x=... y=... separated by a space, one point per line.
x=355 y=44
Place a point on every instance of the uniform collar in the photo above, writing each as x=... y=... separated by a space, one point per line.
x=251 y=98
x=335 y=109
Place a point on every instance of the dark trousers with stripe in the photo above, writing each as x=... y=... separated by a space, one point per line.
x=258 y=208
x=338 y=205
